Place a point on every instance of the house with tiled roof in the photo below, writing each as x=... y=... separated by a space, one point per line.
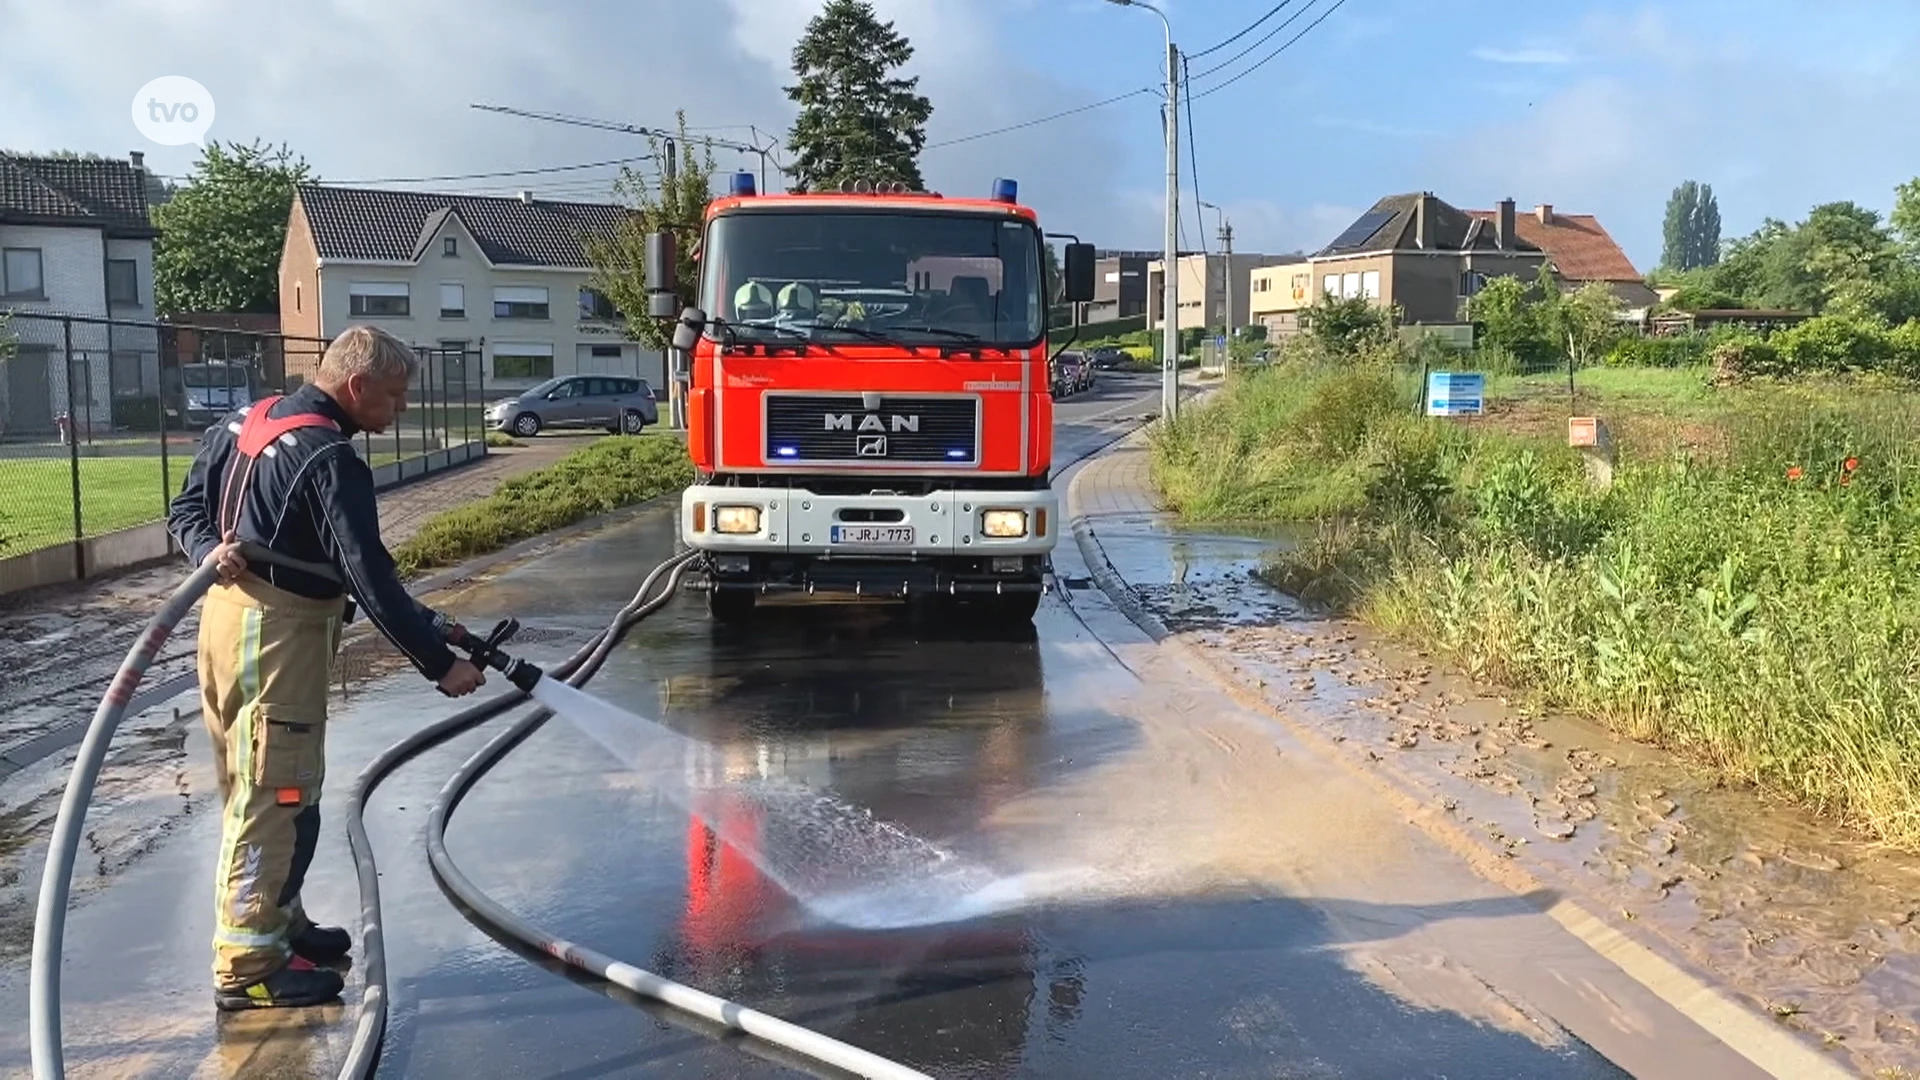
x=1428 y=257
x=502 y=281
x=1581 y=252
x=75 y=239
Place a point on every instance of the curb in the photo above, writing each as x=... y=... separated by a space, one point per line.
x=1774 y=1050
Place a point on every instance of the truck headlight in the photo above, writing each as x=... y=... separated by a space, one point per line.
x=1004 y=523
x=736 y=519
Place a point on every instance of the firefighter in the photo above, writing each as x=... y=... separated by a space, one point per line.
x=282 y=474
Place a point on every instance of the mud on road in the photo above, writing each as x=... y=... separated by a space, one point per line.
x=1816 y=929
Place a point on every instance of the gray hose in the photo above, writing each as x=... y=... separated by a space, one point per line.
x=50 y=921
x=811 y=1044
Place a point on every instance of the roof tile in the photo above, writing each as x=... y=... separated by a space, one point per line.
x=73 y=190
x=371 y=224
x=1580 y=249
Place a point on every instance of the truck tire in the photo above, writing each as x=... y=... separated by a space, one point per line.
x=1003 y=609
x=730 y=605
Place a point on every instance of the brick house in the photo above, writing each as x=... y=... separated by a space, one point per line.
x=502 y=280
x=1581 y=252
x=75 y=239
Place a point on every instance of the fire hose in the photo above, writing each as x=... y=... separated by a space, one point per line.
x=370 y=1027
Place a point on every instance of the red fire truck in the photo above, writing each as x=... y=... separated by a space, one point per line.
x=869 y=409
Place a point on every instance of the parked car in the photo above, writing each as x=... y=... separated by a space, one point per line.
x=212 y=389
x=1076 y=372
x=578 y=401
x=1109 y=357
x=1058 y=380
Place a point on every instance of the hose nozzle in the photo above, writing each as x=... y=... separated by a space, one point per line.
x=486 y=652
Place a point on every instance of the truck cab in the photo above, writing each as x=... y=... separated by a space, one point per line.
x=868 y=407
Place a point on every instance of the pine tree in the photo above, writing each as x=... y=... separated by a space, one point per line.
x=1705 y=239
x=857 y=120
x=1676 y=251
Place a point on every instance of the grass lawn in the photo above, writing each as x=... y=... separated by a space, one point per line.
x=36 y=496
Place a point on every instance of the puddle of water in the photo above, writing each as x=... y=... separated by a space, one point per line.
x=1198 y=577
x=836 y=860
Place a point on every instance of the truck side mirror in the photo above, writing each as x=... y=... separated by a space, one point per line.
x=686 y=333
x=663 y=288
x=1078 y=270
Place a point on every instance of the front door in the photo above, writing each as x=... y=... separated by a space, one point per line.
x=29 y=391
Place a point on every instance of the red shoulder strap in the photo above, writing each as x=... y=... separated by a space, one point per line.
x=259 y=430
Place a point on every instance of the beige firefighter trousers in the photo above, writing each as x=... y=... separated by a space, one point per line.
x=266 y=658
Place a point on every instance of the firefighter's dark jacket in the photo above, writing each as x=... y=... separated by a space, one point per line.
x=313 y=501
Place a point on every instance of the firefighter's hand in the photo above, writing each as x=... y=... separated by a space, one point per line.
x=228 y=558
x=463 y=678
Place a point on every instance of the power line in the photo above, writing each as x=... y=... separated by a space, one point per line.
x=1038 y=120
x=1264 y=38
x=1248 y=29
x=1338 y=4
x=494 y=175
x=1193 y=166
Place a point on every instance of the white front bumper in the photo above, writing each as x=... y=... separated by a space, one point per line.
x=798 y=522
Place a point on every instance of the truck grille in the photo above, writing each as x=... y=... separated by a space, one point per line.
x=815 y=428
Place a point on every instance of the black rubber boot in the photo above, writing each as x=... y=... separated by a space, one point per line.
x=298 y=985
x=322 y=944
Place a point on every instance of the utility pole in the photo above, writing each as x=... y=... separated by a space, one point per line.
x=1170 y=258
x=676 y=361
x=1170 y=340
x=1226 y=245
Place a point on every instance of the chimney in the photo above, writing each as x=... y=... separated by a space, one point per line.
x=1504 y=234
x=1423 y=220
x=138 y=159
x=1544 y=212
x=526 y=196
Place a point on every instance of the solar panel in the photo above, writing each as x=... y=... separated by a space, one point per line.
x=1362 y=230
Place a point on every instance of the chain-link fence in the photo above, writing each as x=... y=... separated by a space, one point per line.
x=100 y=418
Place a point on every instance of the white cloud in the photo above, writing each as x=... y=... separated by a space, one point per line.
x=1523 y=56
x=1774 y=134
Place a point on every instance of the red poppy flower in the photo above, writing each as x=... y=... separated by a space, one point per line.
x=1852 y=464
x=1794 y=473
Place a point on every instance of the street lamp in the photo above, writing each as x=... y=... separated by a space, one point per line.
x=1170 y=262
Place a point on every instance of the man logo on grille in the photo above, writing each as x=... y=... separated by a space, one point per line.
x=871 y=446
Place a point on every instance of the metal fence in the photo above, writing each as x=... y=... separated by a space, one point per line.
x=100 y=418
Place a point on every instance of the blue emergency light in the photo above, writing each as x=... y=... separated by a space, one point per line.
x=1005 y=190
x=741 y=185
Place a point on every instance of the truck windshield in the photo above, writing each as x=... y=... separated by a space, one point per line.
x=916 y=278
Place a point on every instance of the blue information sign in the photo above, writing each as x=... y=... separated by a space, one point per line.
x=1456 y=393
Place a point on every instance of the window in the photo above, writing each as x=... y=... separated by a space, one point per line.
x=1471 y=282
x=595 y=306
x=123 y=282
x=606 y=352
x=522 y=360
x=1331 y=286
x=450 y=246
x=520 y=302
x=1370 y=284
x=453 y=301
x=378 y=298
x=296 y=296
x=20 y=273
x=1349 y=285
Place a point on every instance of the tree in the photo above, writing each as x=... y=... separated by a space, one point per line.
x=857 y=121
x=221 y=233
x=1691 y=232
x=677 y=205
x=1905 y=218
x=1586 y=321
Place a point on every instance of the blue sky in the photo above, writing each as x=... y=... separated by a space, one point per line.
x=1597 y=107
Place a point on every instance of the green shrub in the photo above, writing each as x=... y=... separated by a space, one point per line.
x=605 y=476
x=1831 y=344
x=1679 y=350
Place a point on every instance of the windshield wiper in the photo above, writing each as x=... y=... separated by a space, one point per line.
x=734 y=328
x=961 y=334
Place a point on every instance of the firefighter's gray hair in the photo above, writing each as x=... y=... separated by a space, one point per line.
x=367 y=351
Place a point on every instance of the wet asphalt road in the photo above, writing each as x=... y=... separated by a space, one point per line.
x=1031 y=862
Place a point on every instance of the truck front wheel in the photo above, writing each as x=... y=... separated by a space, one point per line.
x=1004 y=609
